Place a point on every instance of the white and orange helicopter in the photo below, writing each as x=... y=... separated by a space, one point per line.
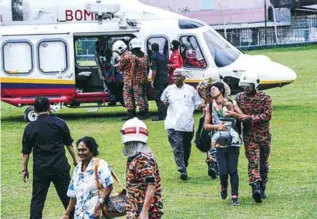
x=48 y=47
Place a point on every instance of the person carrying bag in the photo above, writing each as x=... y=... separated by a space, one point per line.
x=115 y=205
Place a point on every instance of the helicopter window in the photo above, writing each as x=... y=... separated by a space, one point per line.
x=188 y=24
x=13 y=53
x=85 y=49
x=161 y=41
x=223 y=53
x=52 y=56
x=191 y=52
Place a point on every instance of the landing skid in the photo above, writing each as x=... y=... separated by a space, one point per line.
x=96 y=109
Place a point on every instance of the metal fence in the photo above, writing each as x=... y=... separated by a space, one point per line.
x=303 y=29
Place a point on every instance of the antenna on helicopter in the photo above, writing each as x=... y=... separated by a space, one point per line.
x=103 y=11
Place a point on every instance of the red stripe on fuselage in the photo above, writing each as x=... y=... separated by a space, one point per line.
x=36 y=92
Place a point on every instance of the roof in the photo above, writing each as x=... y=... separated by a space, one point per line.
x=235 y=16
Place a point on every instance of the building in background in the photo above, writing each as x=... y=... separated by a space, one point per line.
x=252 y=22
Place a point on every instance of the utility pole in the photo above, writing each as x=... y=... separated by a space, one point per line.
x=265 y=22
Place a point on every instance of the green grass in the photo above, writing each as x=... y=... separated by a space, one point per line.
x=292 y=188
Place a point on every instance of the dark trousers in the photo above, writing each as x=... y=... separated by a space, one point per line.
x=158 y=90
x=227 y=159
x=181 y=144
x=41 y=184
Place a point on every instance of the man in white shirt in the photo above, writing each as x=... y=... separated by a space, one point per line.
x=181 y=99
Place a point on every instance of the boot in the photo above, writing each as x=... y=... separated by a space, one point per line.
x=263 y=187
x=256 y=192
x=224 y=193
x=144 y=115
x=130 y=115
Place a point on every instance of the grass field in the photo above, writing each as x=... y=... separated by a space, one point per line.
x=292 y=189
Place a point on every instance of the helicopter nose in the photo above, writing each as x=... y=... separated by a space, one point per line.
x=284 y=73
x=276 y=75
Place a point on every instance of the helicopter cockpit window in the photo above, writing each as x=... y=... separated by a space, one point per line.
x=188 y=24
x=224 y=54
x=85 y=52
x=161 y=41
x=191 y=52
x=52 y=56
x=12 y=55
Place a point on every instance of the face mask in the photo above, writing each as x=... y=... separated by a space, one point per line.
x=248 y=88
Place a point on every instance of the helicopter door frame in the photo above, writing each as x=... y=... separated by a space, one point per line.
x=93 y=84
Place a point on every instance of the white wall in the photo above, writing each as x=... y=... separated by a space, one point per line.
x=175 y=5
x=195 y=5
x=238 y=4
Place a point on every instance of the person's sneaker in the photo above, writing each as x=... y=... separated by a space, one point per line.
x=183 y=176
x=224 y=193
x=235 y=201
x=157 y=118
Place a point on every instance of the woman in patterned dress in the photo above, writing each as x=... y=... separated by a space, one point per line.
x=83 y=189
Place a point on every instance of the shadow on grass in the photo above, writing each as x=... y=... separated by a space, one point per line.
x=76 y=116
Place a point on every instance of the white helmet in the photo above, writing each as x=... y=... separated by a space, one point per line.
x=119 y=46
x=134 y=130
x=135 y=43
x=248 y=78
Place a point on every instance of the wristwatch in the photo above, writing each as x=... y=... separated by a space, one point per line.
x=101 y=200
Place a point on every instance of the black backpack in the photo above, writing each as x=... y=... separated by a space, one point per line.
x=202 y=138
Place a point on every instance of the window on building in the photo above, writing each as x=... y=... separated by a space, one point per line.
x=17 y=57
x=52 y=56
x=206 y=4
x=191 y=52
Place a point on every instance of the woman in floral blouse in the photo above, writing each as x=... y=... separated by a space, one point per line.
x=83 y=188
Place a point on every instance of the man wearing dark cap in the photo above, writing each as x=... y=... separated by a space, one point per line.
x=46 y=137
x=159 y=79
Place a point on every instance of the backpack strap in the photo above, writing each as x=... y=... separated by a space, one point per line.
x=99 y=186
x=113 y=174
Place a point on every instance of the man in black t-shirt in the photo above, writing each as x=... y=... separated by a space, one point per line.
x=159 y=79
x=47 y=137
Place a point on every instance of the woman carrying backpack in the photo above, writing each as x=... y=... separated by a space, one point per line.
x=224 y=140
